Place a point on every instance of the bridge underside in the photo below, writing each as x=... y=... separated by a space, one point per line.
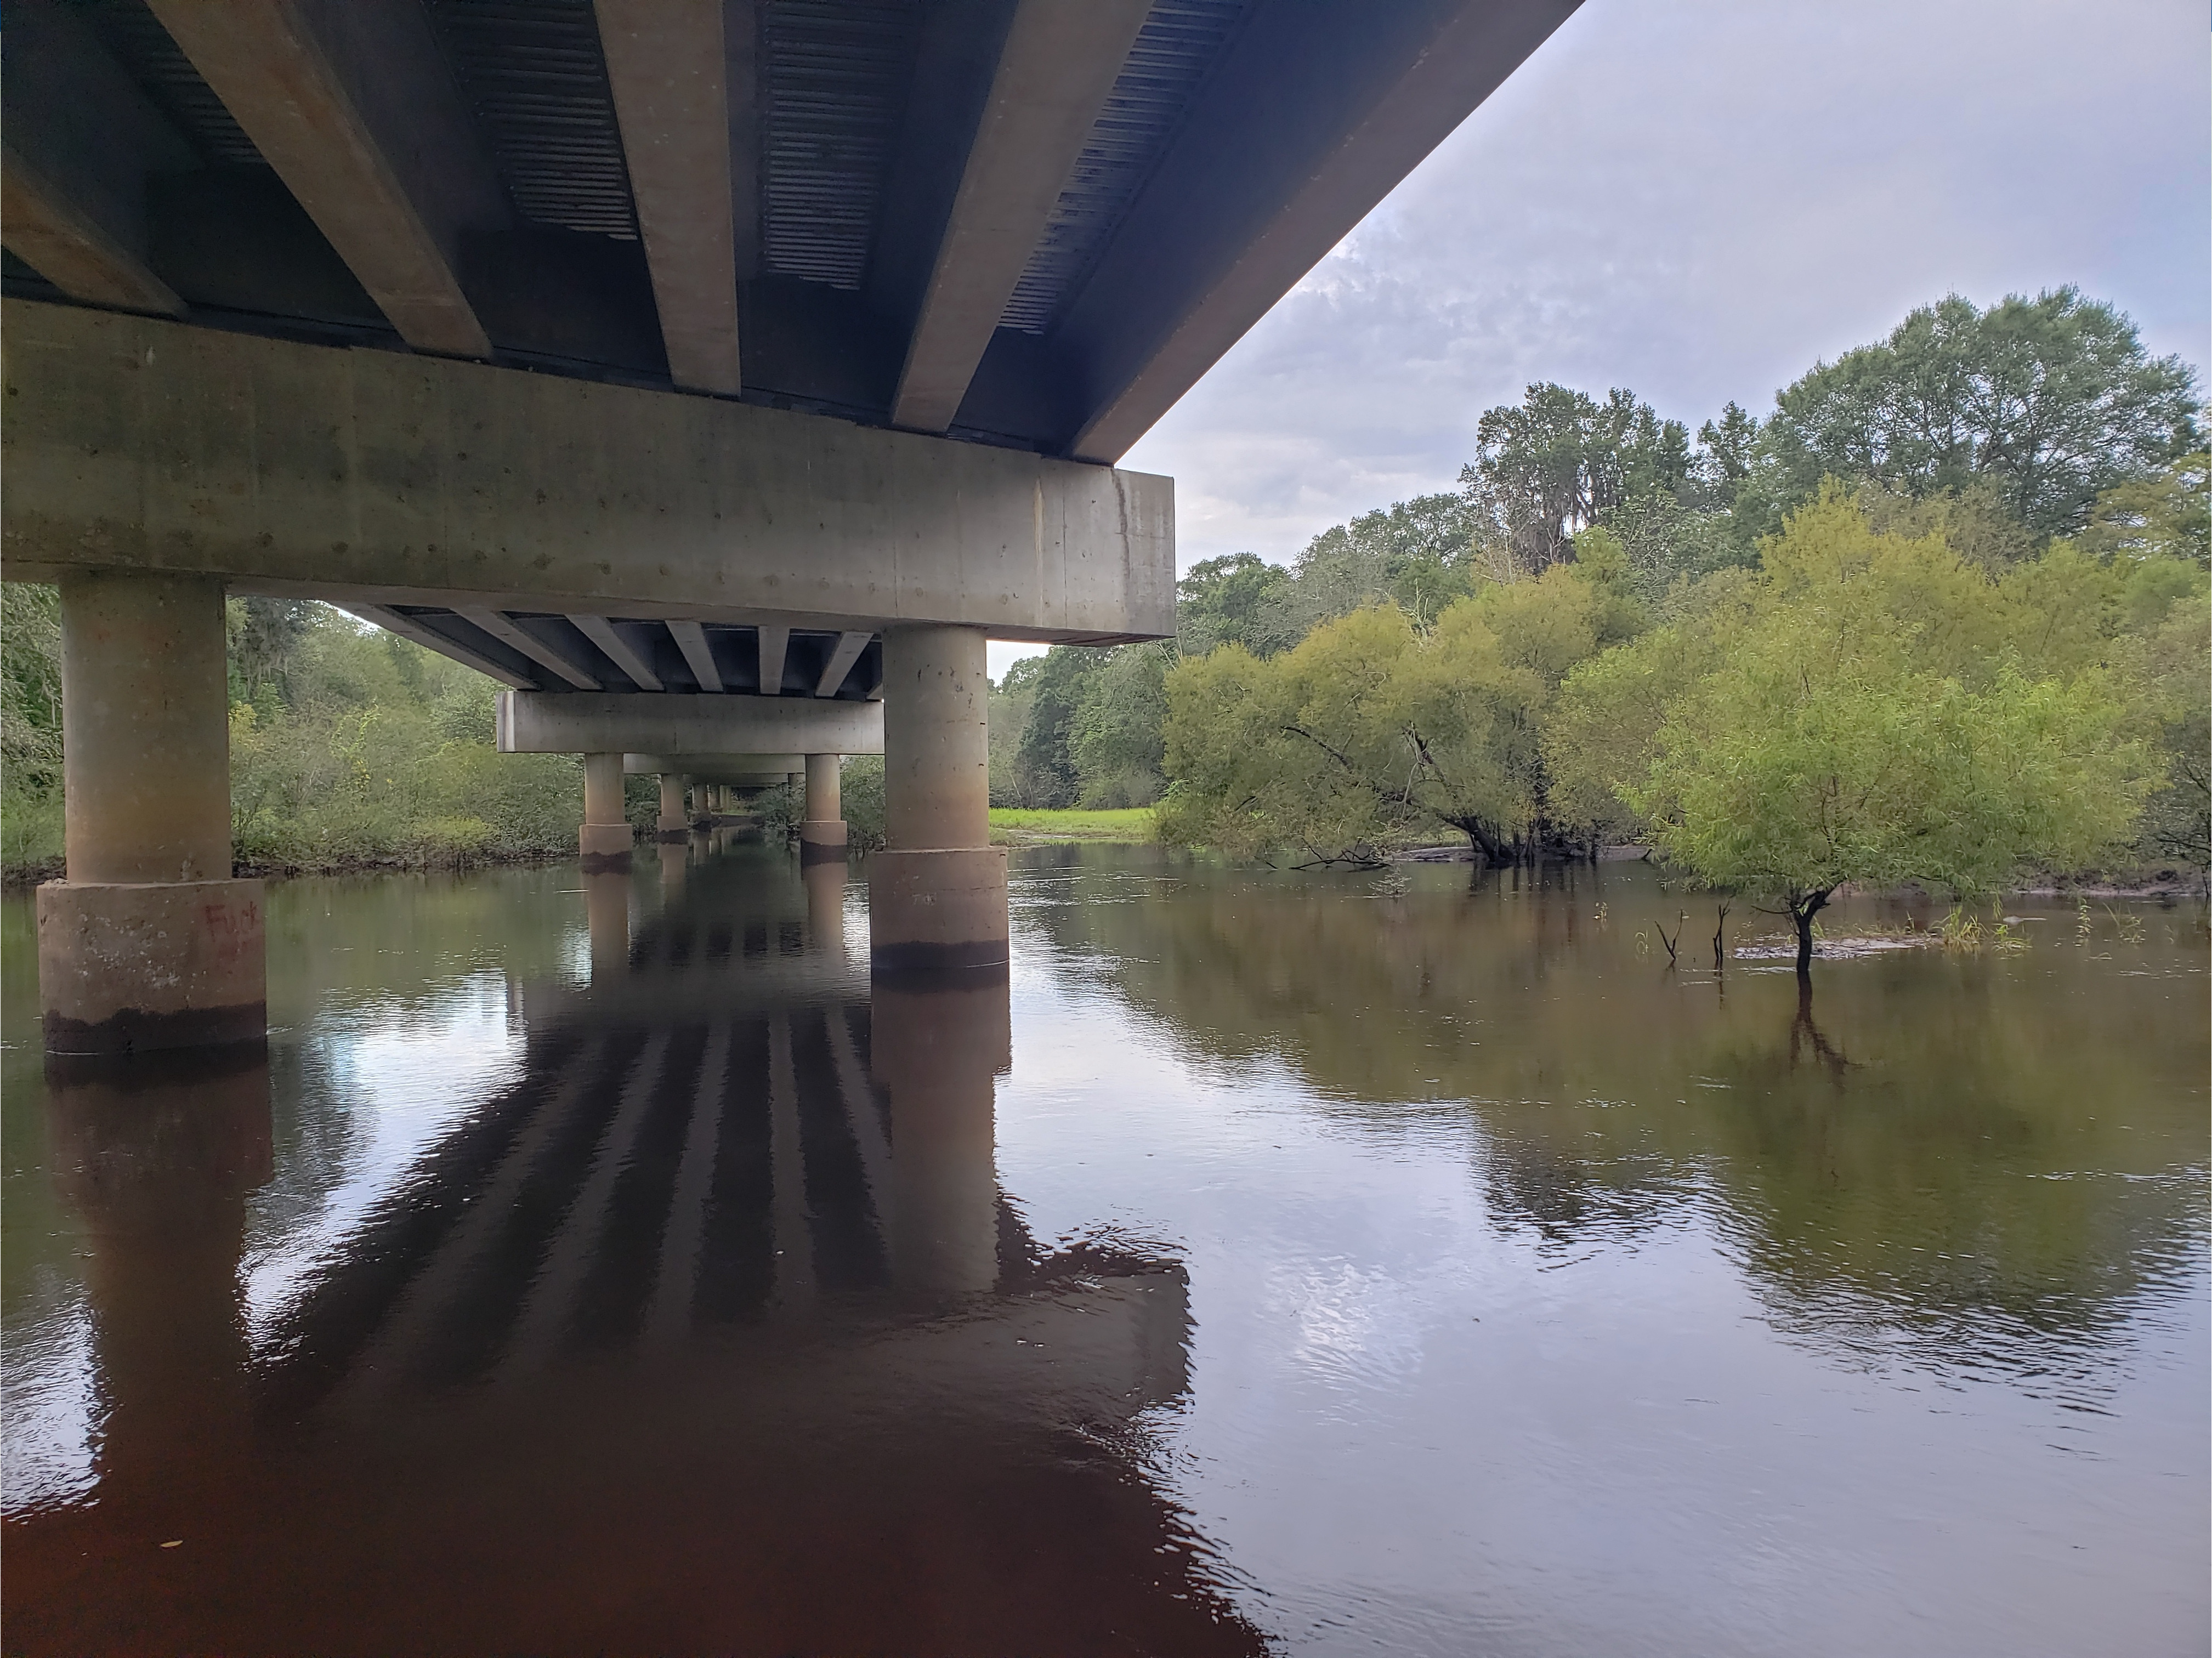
x=716 y=352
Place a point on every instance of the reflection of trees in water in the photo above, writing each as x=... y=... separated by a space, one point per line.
x=1936 y=1147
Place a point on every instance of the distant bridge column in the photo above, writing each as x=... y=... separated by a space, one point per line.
x=937 y=894
x=822 y=829
x=148 y=944
x=605 y=838
x=673 y=825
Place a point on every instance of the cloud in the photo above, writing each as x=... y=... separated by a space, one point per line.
x=1697 y=200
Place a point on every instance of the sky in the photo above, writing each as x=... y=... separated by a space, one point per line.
x=1697 y=199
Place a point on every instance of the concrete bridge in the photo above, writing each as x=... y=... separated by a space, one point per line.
x=738 y=365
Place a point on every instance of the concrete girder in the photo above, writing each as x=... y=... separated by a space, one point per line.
x=691 y=639
x=716 y=768
x=637 y=722
x=1315 y=115
x=1057 y=66
x=406 y=627
x=666 y=66
x=848 y=652
x=364 y=477
x=350 y=102
x=604 y=633
x=80 y=140
x=775 y=647
x=510 y=632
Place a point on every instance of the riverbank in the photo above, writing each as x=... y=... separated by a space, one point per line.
x=1021 y=827
x=19 y=877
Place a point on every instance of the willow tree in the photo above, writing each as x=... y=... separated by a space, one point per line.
x=1371 y=728
x=1870 y=718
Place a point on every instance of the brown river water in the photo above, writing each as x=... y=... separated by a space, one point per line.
x=1276 y=1262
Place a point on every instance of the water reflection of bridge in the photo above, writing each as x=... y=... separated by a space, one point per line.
x=721 y=1273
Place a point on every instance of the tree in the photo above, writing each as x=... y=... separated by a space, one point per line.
x=1045 y=772
x=1871 y=720
x=2052 y=400
x=1118 y=743
x=1560 y=462
x=2161 y=517
x=1371 y=728
x=1239 y=598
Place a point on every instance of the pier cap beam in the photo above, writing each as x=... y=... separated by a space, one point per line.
x=135 y=443
x=693 y=727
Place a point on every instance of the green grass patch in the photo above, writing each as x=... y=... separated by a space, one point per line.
x=1012 y=826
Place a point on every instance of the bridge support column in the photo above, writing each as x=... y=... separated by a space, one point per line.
x=673 y=825
x=937 y=895
x=605 y=838
x=149 y=943
x=822 y=829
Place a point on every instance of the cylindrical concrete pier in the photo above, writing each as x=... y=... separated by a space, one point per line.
x=937 y=894
x=605 y=838
x=672 y=824
x=821 y=827
x=149 y=943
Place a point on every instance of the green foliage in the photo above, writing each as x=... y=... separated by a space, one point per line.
x=1371 y=730
x=1044 y=765
x=1867 y=715
x=1561 y=462
x=2050 y=401
x=2161 y=517
x=1238 y=600
x=860 y=788
x=384 y=750
x=1116 y=740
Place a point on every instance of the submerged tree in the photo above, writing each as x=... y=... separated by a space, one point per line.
x=1869 y=719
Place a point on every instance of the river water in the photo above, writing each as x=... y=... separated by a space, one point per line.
x=1305 y=1263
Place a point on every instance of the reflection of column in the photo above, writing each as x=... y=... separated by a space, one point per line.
x=672 y=825
x=675 y=859
x=148 y=944
x=605 y=838
x=934 y=1052
x=156 y=1154
x=822 y=824
x=825 y=903
x=937 y=895
x=606 y=913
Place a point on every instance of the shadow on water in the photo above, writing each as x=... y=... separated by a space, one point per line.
x=707 y=1328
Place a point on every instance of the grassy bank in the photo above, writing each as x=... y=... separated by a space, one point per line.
x=1016 y=827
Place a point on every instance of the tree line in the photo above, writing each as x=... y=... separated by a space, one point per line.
x=1942 y=609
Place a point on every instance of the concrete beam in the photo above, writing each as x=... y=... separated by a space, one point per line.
x=512 y=633
x=351 y=102
x=774 y=646
x=380 y=478
x=603 y=633
x=80 y=140
x=1058 y=65
x=715 y=767
x=691 y=639
x=638 y=722
x=848 y=652
x=666 y=63
x=1317 y=116
x=407 y=627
